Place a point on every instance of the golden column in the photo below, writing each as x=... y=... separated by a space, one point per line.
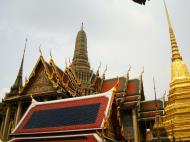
x=7 y=118
x=135 y=126
x=18 y=113
x=177 y=110
x=2 y=125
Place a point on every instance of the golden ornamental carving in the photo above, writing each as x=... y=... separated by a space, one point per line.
x=40 y=84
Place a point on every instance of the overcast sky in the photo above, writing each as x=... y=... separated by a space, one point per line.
x=119 y=33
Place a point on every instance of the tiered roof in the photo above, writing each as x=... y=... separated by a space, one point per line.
x=67 y=119
x=129 y=92
x=52 y=78
x=149 y=109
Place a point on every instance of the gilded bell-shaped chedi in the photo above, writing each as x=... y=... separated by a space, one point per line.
x=177 y=110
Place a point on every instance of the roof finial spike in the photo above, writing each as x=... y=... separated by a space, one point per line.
x=99 y=66
x=128 y=71
x=51 y=54
x=103 y=75
x=167 y=14
x=70 y=61
x=82 y=27
x=97 y=72
x=66 y=62
x=142 y=72
x=40 y=50
x=175 y=51
x=155 y=95
x=25 y=46
x=105 y=69
x=23 y=54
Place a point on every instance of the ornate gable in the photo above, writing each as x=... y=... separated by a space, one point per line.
x=38 y=81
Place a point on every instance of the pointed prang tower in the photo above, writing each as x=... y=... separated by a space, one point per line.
x=14 y=90
x=80 y=63
x=177 y=110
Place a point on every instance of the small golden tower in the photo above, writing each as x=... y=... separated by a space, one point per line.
x=177 y=110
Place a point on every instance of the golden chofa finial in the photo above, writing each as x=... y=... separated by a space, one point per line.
x=97 y=72
x=128 y=71
x=142 y=72
x=175 y=51
x=51 y=54
x=66 y=62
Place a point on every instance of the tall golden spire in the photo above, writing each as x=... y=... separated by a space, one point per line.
x=175 y=51
x=177 y=112
x=179 y=69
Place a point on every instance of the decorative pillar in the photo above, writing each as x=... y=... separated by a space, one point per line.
x=9 y=129
x=135 y=127
x=86 y=77
x=18 y=113
x=7 y=117
x=2 y=125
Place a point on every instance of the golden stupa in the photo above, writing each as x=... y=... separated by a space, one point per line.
x=177 y=110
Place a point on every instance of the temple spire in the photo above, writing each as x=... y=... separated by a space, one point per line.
x=18 y=82
x=80 y=63
x=175 y=51
x=80 y=58
x=179 y=69
x=176 y=120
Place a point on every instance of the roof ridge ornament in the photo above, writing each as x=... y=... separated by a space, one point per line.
x=66 y=62
x=142 y=72
x=129 y=69
x=70 y=61
x=103 y=75
x=51 y=54
x=97 y=72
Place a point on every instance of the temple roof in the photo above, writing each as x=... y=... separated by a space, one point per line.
x=149 y=109
x=49 y=74
x=130 y=87
x=75 y=114
x=151 y=105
